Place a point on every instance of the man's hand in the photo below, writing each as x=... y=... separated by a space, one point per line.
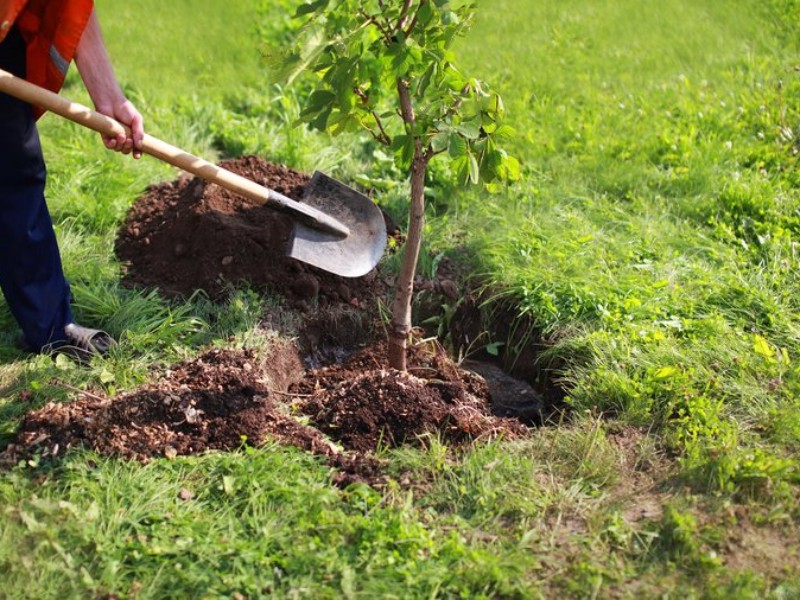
x=126 y=114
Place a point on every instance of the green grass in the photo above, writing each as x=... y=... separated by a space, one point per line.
x=257 y=523
x=651 y=247
x=653 y=239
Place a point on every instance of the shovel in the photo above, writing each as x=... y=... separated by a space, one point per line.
x=336 y=228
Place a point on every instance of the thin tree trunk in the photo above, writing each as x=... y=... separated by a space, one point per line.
x=404 y=290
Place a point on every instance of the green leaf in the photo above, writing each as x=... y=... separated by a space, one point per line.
x=318 y=100
x=470 y=129
x=450 y=18
x=494 y=348
x=402 y=58
x=403 y=146
x=310 y=7
x=398 y=142
x=762 y=347
x=461 y=168
x=512 y=168
x=424 y=14
x=425 y=80
x=457 y=146
x=342 y=122
x=318 y=109
x=493 y=105
x=474 y=168
x=321 y=120
x=666 y=372
x=492 y=164
x=63 y=363
x=453 y=79
x=440 y=141
x=504 y=133
x=311 y=47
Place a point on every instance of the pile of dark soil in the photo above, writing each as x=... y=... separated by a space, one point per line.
x=362 y=404
x=225 y=399
x=188 y=235
x=218 y=401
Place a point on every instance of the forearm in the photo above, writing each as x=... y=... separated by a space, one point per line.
x=98 y=75
x=94 y=66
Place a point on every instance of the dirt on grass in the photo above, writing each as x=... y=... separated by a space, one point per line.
x=363 y=404
x=331 y=393
x=225 y=399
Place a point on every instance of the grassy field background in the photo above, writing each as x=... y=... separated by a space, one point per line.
x=651 y=248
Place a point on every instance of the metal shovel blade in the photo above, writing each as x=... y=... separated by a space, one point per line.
x=351 y=256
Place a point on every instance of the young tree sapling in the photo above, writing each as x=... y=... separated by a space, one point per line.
x=387 y=67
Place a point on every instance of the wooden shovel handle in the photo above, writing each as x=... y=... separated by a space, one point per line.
x=83 y=115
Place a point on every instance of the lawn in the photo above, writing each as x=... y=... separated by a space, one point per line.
x=649 y=256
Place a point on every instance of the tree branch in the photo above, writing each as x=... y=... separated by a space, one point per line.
x=376 y=135
x=413 y=23
x=430 y=153
x=384 y=137
x=403 y=20
x=387 y=35
x=361 y=95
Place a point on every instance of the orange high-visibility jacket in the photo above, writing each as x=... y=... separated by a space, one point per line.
x=52 y=30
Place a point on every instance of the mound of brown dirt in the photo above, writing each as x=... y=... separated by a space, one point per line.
x=188 y=235
x=227 y=398
x=362 y=404
x=217 y=401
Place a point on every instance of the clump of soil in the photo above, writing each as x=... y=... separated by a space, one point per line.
x=226 y=398
x=217 y=401
x=362 y=404
x=187 y=235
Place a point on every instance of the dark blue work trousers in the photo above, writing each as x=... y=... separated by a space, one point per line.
x=31 y=276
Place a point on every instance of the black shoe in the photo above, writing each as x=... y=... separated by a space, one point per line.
x=82 y=344
x=93 y=340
